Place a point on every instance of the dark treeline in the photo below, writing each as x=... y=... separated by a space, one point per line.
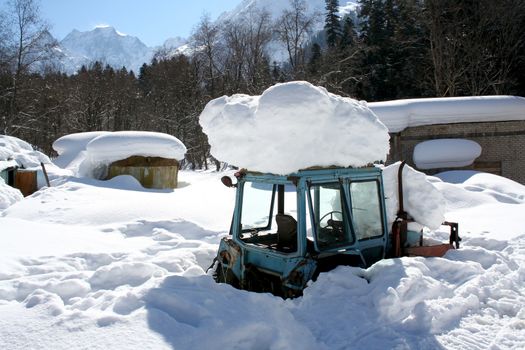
x=392 y=49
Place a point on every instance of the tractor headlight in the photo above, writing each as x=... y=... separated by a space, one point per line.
x=225 y=257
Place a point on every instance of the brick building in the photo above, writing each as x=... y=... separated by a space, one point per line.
x=496 y=123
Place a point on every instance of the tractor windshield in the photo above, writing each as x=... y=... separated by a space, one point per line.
x=329 y=218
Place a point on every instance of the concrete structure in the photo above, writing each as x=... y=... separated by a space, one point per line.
x=502 y=143
x=496 y=123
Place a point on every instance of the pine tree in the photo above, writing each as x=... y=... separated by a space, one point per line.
x=315 y=59
x=348 y=36
x=332 y=23
x=395 y=59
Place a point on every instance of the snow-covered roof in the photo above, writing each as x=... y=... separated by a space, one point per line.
x=21 y=152
x=293 y=126
x=123 y=144
x=446 y=153
x=70 y=147
x=6 y=164
x=73 y=142
x=400 y=114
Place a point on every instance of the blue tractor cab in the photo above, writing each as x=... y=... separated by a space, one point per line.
x=287 y=229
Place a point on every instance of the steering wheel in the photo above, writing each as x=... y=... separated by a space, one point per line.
x=329 y=222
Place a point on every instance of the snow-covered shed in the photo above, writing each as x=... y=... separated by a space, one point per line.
x=7 y=170
x=20 y=164
x=150 y=157
x=495 y=123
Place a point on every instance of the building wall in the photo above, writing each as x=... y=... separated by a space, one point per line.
x=502 y=143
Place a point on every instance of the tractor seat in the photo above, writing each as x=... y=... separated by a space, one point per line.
x=286 y=232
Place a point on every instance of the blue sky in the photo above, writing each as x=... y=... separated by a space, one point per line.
x=152 y=21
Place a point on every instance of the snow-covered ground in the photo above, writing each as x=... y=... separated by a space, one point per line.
x=88 y=264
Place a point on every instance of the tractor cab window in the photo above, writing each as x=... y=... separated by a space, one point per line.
x=366 y=209
x=257 y=206
x=268 y=216
x=329 y=218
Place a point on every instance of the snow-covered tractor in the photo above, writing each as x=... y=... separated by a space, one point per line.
x=287 y=229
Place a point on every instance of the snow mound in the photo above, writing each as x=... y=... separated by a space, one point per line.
x=446 y=153
x=70 y=147
x=422 y=200
x=12 y=148
x=451 y=303
x=293 y=126
x=8 y=195
x=190 y=307
x=114 y=146
x=502 y=189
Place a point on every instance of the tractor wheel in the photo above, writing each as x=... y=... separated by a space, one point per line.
x=218 y=274
x=222 y=276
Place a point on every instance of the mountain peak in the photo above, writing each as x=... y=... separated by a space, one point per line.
x=104 y=28
x=106 y=45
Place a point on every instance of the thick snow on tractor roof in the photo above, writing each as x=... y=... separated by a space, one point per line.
x=287 y=229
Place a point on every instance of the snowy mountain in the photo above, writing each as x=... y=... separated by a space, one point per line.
x=109 y=46
x=104 y=44
x=174 y=43
x=173 y=47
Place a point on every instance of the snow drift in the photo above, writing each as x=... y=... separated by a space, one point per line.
x=293 y=126
x=86 y=265
x=8 y=195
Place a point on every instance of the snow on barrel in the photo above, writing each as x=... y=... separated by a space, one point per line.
x=293 y=126
x=151 y=157
x=446 y=153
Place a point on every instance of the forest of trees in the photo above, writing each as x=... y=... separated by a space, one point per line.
x=392 y=49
